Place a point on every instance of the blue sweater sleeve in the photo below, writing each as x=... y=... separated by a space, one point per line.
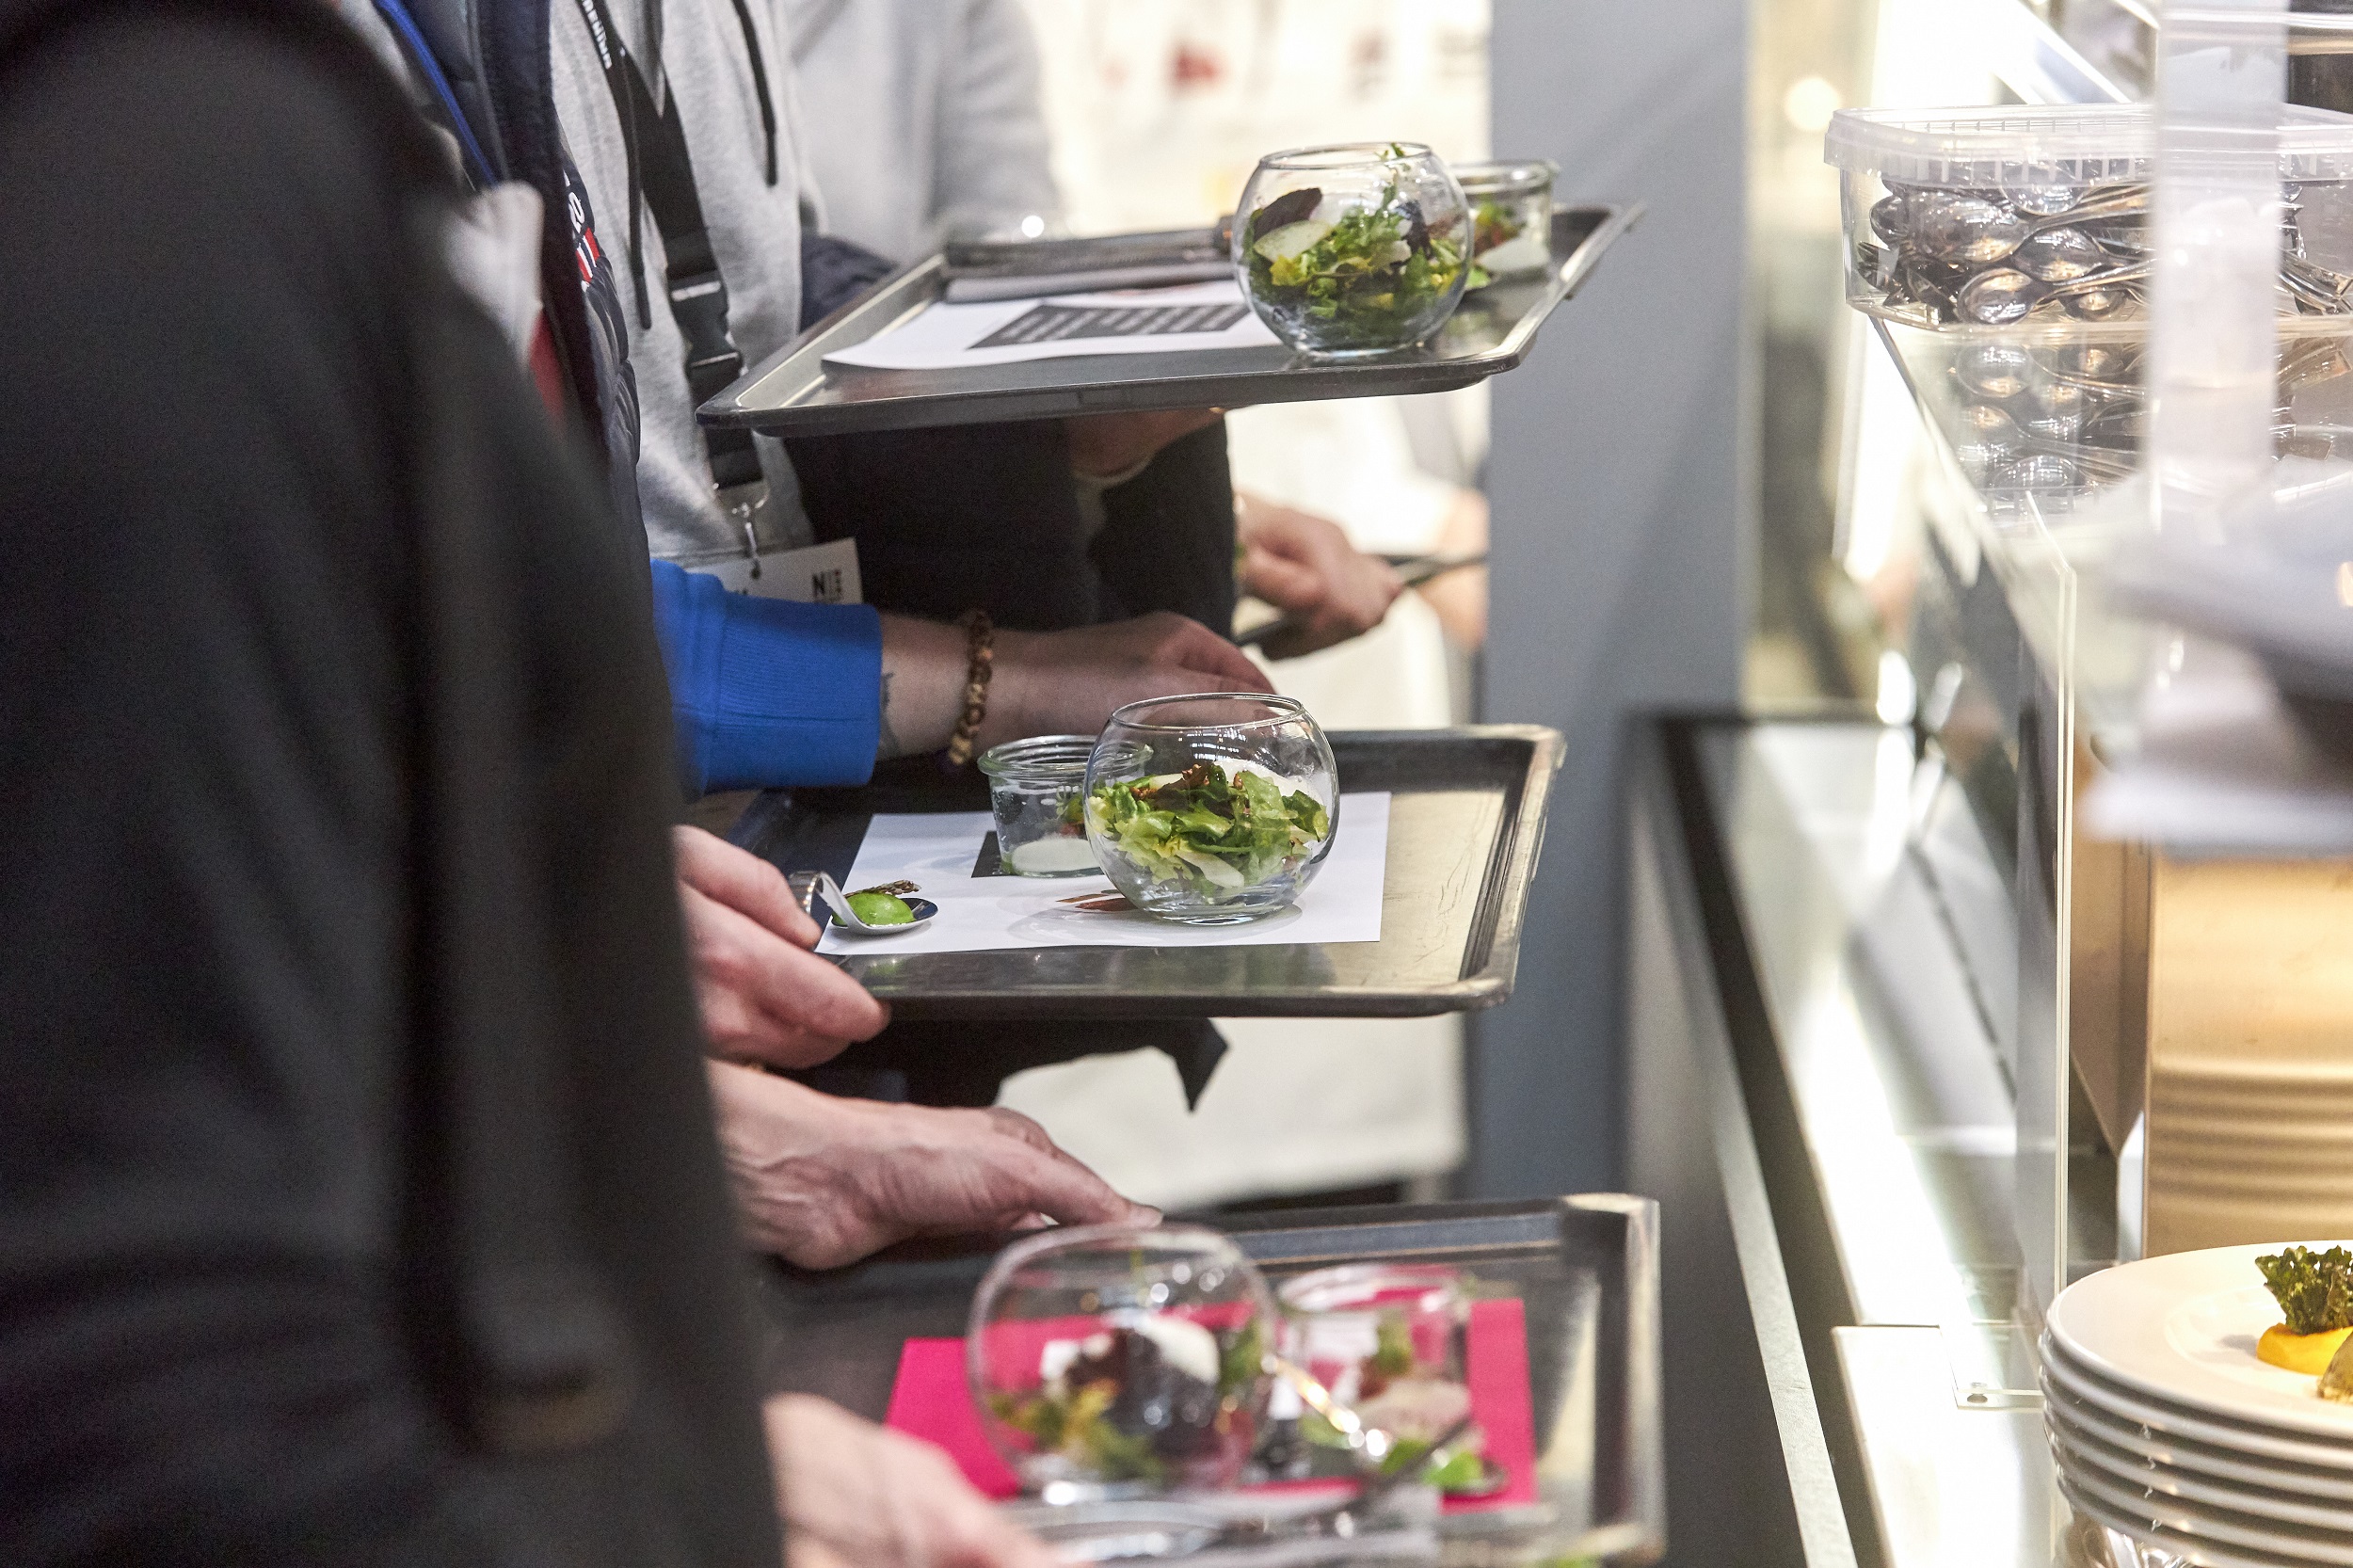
x=766 y=693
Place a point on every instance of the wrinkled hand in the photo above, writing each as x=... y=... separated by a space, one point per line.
x=823 y=1181
x=858 y=1495
x=1115 y=446
x=1070 y=682
x=1304 y=567
x=764 y=996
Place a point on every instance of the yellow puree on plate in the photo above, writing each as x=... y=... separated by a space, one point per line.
x=2308 y=1354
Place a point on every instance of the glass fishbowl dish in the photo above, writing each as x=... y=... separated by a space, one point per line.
x=1037 y=792
x=1211 y=810
x=1388 y=1342
x=1120 y=1360
x=1356 y=248
x=1510 y=207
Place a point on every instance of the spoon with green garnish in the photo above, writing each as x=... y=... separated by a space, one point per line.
x=873 y=912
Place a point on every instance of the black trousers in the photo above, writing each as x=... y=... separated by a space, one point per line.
x=986 y=516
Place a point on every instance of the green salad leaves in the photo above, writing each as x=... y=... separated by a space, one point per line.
x=2315 y=1290
x=1215 y=834
x=1076 y=1425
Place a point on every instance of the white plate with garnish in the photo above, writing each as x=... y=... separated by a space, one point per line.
x=2184 y=1328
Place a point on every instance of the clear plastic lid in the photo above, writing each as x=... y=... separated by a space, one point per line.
x=2085 y=144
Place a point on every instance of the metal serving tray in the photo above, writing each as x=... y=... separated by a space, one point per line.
x=1586 y=1266
x=1467 y=818
x=794 y=393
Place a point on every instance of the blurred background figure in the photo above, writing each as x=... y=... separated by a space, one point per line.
x=930 y=118
x=924 y=119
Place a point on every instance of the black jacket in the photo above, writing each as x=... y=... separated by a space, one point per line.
x=357 y=1196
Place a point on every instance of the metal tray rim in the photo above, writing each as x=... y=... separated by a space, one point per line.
x=917 y=282
x=1636 y=1530
x=1490 y=958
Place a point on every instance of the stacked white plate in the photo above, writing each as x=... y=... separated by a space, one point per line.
x=2165 y=1426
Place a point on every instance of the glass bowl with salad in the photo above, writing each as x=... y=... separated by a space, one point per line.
x=1117 y=1360
x=1038 y=793
x=1356 y=248
x=1510 y=206
x=1388 y=1342
x=1211 y=810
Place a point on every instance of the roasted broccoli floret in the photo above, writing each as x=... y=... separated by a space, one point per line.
x=2315 y=1290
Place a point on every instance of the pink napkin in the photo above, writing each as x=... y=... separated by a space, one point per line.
x=930 y=1401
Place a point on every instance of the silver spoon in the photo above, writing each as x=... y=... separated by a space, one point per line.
x=1962 y=226
x=2058 y=255
x=829 y=890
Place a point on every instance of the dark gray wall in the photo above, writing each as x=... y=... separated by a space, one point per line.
x=1621 y=534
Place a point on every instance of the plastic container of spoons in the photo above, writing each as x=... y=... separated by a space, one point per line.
x=2032 y=216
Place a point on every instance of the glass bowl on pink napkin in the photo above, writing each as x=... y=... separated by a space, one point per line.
x=1107 y=1360
x=930 y=1399
x=1389 y=1343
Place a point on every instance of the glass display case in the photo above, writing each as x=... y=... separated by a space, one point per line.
x=2118 y=1032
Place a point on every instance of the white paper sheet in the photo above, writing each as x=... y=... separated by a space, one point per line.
x=1005 y=332
x=977 y=914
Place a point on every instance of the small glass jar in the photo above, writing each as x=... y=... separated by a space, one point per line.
x=1510 y=206
x=1351 y=249
x=1037 y=789
x=1212 y=810
x=1117 y=1359
x=1387 y=1341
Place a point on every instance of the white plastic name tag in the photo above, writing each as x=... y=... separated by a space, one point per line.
x=814 y=574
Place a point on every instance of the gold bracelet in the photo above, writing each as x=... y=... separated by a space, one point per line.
x=982 y=640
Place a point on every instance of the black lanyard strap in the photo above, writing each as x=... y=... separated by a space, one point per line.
x=662 y=181
x=759 y=82
x=613 y=54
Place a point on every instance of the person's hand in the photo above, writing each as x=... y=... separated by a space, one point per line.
x=1304 y=567
x=1108 y=448
x=1070 y=682
x=763 y=994
x=823 y=1181
x=854 y=1494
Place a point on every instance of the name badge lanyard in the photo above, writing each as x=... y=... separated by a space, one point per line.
x=662 y=181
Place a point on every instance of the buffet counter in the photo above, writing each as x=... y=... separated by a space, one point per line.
x=1821 y=947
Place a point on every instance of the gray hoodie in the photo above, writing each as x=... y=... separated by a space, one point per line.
x=755 y=231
